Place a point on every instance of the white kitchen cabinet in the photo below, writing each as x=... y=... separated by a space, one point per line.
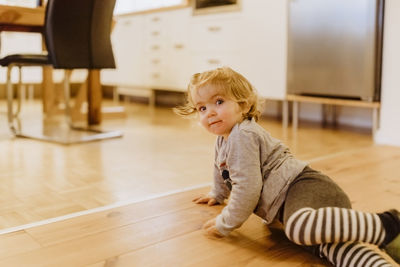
x=178 y=56
x=214 y=41
x=265 y=34
x=168 y=56
x=171 y=45
x=216 y=33
x=154 y=36
x=207 y=60
x=128 y=53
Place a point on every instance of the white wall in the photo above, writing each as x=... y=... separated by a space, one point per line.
x=389 y=132
x=14 y=42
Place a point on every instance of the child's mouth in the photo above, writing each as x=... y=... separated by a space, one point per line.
x=214 y=123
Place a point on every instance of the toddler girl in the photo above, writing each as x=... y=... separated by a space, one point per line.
x=260 y=175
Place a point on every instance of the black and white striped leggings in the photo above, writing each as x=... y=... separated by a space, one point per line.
x=318 y=213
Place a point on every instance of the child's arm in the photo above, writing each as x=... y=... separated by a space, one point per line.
x=219 y=191
x=210 y=229
x=247 y=181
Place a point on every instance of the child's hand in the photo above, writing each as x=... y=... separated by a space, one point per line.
x=210 y=229
x=202 y=199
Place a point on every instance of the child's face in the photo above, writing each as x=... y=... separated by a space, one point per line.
x=218 y=113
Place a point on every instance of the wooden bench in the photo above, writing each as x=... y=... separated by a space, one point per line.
x=296 y=99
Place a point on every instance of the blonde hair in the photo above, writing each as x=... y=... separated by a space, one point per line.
x=231 y=83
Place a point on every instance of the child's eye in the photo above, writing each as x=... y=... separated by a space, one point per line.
x=220 y=101
x=201 y=109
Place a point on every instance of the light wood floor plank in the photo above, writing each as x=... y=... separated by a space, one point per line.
x=367 y=172
x=252 y=245
x=166 y=231
x=116 y=241
x=16 y=243
x=82 y=226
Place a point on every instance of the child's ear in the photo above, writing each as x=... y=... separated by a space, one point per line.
x=245 y=107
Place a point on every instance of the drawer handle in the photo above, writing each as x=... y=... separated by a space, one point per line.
x=155 y=75
x=213 y=61
x=155 y=47
x=155 y=33
x=155 y=19
x=214 y=28
x=155 y=61
x=178 y=46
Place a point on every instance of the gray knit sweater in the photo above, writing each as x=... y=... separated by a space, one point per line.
x=260 y=169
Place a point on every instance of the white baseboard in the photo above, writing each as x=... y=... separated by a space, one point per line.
x=383 y=137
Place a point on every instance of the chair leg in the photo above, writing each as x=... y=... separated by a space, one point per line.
x=10 y=97
x=96 y=134
x=13 y=120
x=19 y=92
x=67 y=94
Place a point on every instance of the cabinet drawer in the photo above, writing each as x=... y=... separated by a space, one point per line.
x=214 y=35
x=211 y=60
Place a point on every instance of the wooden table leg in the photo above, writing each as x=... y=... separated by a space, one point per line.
x=48 y=92
x=94 y=97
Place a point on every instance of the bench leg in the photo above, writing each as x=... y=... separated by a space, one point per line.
x=285 y=117
x=334 y=116
x=285 y=114
x=295 y=116
x=375 y=121
x=152 y=98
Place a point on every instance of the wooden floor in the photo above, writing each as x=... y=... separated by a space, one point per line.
x=166 y=231
x=162 y=153
x=159 y=153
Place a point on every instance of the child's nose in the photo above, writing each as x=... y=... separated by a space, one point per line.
x=211 y=112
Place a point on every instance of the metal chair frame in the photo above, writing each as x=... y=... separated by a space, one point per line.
x=13 y=115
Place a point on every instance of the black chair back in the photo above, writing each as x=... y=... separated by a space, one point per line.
x=77 y=33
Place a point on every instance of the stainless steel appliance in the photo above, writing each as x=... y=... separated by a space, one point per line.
x=335 y=47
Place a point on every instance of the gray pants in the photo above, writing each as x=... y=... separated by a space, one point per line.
x=315 y=190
